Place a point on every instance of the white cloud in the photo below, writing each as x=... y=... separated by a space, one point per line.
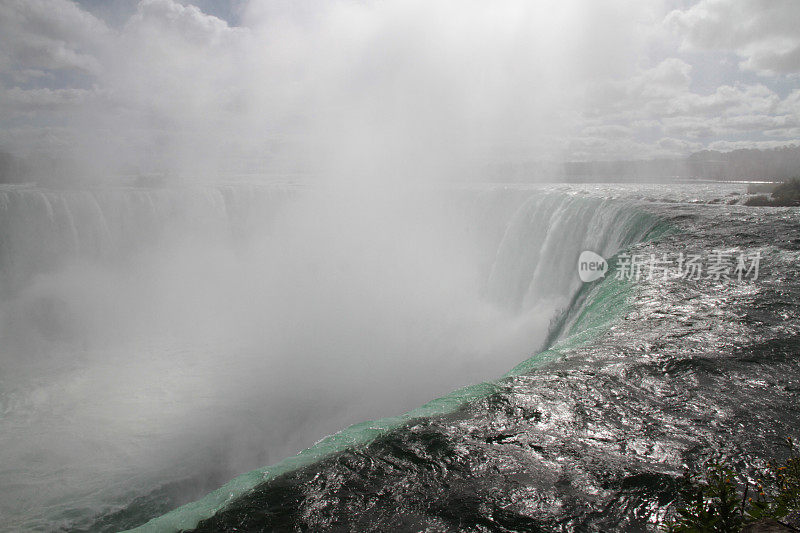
x=664 y=91
x=678 y=146
x=790 y=104
x=604 y=148
x=658 y=85
x=395 y=82
x=668 y=77
x=609 y=131
x=660 y=100
x=726 y=100
x=49 y=34
x=41 y=99
x=762 y=122
x=691 y=127
x=695 y=127
x=765 y=34
x=166 y=18
x=783 y=133
x=727 y=146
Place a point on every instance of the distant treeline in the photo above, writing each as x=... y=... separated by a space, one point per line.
x=778 y=164
x=774 y=164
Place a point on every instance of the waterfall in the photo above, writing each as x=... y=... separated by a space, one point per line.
x=188 y=335
x=41 y=230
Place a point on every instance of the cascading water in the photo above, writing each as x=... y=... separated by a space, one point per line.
x=537 y=255
x=646 y=376
x=41 y=230
x=148 y=334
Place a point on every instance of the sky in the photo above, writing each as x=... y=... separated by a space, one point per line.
x=393 y=85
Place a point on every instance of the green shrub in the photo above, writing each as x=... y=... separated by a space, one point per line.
x=779 y=489
x=713 y=502
x=709 y=505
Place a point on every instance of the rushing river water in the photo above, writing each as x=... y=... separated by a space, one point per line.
x=112 y=417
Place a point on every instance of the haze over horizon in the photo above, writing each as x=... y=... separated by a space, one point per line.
x=406 y=87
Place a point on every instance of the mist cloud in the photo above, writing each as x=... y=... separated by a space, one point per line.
x=393 y=87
